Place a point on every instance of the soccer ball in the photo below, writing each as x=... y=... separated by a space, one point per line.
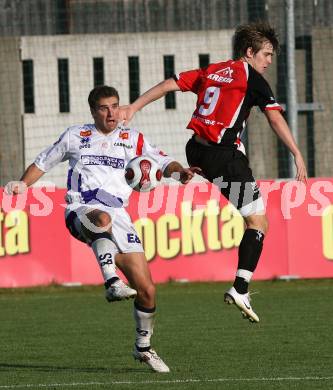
x=143 y=174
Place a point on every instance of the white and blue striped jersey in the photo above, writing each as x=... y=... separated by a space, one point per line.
x=97 y=162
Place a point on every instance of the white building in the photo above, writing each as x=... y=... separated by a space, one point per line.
x=41 y=54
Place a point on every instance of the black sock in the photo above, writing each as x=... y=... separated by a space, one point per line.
x=250 y=249
x=249 y=253
x=241 y=285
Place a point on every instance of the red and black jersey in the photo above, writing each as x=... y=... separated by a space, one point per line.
x=226 y=92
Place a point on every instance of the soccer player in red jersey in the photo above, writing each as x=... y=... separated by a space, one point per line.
x=226 y=92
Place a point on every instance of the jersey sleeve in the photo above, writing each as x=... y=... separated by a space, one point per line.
x=189 y=80
x=144 y=147
x=264 y=96
x=54 y=154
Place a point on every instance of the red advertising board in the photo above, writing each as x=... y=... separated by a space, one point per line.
x=189 y=233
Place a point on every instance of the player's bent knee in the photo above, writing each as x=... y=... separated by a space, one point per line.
x=146 y=294
x=99 y=225
x=102 y=220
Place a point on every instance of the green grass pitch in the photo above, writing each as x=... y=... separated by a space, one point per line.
x=71 y=338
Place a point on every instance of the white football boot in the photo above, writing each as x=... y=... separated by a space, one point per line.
x=151 y=359
x=242 y=301
x=119 y=291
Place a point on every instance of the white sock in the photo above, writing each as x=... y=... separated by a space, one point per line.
x=105 y=251
x=245 y=274
x=144 y=326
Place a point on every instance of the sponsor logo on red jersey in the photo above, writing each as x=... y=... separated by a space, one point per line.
x=220 y=79
x=226 y=72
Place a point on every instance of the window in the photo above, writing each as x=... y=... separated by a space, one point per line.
x=134 y=78
x=62 y=16
x=169 y=71
x=63 y=82
x=98 y=64
x=28 y=86
x=203 y=60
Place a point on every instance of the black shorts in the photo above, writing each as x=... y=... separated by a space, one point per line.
x=228 y=168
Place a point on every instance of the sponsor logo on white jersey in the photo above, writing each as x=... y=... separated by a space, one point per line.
x=122 y=144
x=85 y=143
x=109 y=161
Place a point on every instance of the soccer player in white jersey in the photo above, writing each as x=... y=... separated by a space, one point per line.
x=226 y=92
x=97 y=193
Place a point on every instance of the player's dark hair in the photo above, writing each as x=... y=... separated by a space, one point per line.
x=253 y=35
x=101 y=91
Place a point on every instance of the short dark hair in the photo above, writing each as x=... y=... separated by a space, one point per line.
x=101 y=91
x=253 y=35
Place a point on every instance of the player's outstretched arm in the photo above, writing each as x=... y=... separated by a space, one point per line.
x=29 y=177
x=126 y=113
x=179 y=173
x=281 y=128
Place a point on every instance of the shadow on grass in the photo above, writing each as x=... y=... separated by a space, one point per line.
x=43 y=368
